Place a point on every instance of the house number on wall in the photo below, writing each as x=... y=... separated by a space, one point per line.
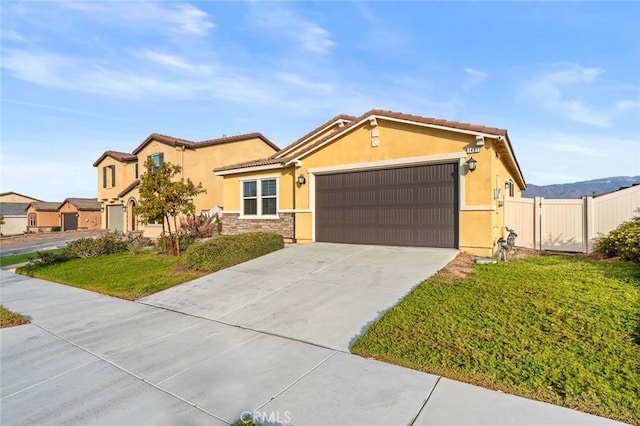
x=473 y=150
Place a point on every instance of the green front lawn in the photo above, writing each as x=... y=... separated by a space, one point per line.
x=556 y=329
x=125 y=275
x=10 y=319
x=24 y=257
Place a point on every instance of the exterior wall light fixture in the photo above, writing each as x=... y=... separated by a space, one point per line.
x=301 y=180
x=471 y=164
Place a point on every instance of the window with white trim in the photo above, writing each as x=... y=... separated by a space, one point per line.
x=32 y=219
x=260 y=197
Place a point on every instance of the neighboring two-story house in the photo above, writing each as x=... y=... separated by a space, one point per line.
x=119 y=173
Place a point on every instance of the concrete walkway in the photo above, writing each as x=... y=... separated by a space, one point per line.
x=93 y=359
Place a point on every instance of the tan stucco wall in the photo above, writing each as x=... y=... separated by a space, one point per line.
x=480 y=218
x=44 y=219
x=124 y=176
x=86 y=219
x=197 y=165
x=15 y=198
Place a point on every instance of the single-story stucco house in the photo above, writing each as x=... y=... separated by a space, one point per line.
x=381 y=178
x=12 y=208
x=42 y=216
x=80 y=213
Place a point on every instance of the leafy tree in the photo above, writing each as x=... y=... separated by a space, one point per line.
x=163 y=198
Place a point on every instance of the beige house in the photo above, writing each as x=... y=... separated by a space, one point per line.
x=42 y=216
x=80 y=213
x=118 y=173
x=381 y=178
x=12 y=208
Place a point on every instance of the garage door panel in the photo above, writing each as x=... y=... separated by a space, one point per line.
x=411 y=206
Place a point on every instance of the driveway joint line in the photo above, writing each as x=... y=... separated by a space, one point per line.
x=312 y=369
x=366 y=248
x=257 y=299
x=426 y=401
x=64 y=373
x=155 y=339
x=293 y=339
x=194 y=365
x=124 y=370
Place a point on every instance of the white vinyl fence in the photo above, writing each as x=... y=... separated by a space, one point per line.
x=569 y=225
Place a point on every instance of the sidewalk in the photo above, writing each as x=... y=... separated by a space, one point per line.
x=93 y=359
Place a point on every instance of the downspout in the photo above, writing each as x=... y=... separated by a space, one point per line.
x=182 y=161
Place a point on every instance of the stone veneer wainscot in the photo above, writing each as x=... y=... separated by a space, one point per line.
x=232 y=225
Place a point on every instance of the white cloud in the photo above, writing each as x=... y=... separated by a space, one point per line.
x=135 y=80
x=11 y=35
x=310 y=36
x=474 y=77
x=551 y=91
x=305 y=83
x=173 y=61
x=627 y=104
x=181 y=18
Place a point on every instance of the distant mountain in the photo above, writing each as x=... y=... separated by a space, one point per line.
x=580 y=189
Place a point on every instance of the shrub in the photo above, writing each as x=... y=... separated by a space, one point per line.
x=623 y=242
x=112 y=242
x=49 y=258
x=136 y=243
x=223 y=252
x=202 y=226
x=186 y=240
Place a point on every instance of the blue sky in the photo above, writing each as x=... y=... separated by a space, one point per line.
x=82 y=78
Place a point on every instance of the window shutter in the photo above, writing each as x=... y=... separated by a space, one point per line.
x=113 y=176
x=104 y=177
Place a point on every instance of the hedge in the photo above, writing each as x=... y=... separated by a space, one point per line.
x=624 y=241
x=223 y=252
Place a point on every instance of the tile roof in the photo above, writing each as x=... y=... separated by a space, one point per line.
x=131 y=186
x=437 y=122
x=355 y=121
x=342 y=117
x=255 y=163
x=173 y=141
x=44 y=206
x=13 y=209
x=116 y=155
x=17 y=193
x=83 y=203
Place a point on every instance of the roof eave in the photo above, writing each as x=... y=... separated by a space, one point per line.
x=249 y=169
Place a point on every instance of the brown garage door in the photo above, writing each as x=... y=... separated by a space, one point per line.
x=410 y=206
x=69 y=221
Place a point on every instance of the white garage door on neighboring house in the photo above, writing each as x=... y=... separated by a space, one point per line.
x=115 y=218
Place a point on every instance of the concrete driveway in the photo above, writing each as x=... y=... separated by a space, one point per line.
x=325 y=294
x=92 y=359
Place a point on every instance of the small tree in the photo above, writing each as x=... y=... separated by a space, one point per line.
x=1 y=222
x=162 y=198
